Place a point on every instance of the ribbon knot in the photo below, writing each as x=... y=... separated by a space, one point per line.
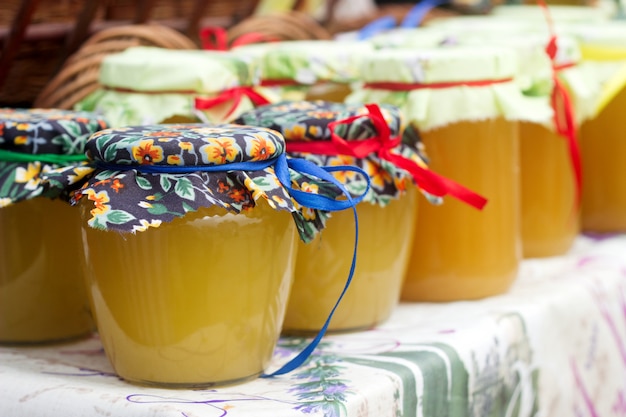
x=235 y=95
x=382 y=145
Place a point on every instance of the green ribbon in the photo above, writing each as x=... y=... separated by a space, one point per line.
x=10 y=156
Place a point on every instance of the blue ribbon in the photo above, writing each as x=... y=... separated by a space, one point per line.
x=416 y=15
x=282 y=164
x=376 y=26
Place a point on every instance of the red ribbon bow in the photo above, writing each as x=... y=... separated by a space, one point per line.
x=235 y=95
x=382 y=144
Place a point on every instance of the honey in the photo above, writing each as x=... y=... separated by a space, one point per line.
x=603 y=150
x=42 y=289
x=460 y=252
x=334 y=92
x=550 y=212
x=196 y=301
x=385 y=238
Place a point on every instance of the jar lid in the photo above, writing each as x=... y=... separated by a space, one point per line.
x=150 y=85
x=558 y=13
x=422 y=37
x=479 y=82
x=432 y=65
x=147 y=175
x=469 y=24
x=311 y=121
x=603 y=49
x=34 y=143
x=153 y=70
x=308 y=62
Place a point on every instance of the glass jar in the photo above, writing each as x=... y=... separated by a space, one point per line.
x=386 y=216
x=459 y=252
x=171 y=314
x=147 y=85
x=385 y=238
x=602 y=136
x=190 y=250
x=550 y=168
x=42 y=291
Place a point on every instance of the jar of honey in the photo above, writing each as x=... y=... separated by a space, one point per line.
x=311 y=69
x=42 y=290
x=386 y=216
x=466 y=105
x=373 y=138
x=603 y=135
x=550 y=167
x=190 y=247
x=147 y=85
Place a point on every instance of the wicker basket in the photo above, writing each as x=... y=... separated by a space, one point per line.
x=291 y=25
x=79 y=76
x=38 y=35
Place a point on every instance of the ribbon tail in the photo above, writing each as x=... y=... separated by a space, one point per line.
x=463 y=194
x=234 y=95
x=207 y=103
x=566 y=127
x=301 y=165
x=257 y=98
x=236 y=101
x=436 y=184
x=310 y=348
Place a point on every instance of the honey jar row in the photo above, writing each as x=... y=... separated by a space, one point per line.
x=201 y=203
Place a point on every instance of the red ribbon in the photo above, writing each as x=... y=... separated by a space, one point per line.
x=382 y=145
x=235 y=95
x=282 y=82
x=401 y=86
x=215 y=38
x=563 y=108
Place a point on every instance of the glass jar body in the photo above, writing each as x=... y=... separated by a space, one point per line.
x=459 y=252
x=196 y=302
x=603 y=152
x=385 y=237
x=42 y=289
x=328 y=91
x=550 y=215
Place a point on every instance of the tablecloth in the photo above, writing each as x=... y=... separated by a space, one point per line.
x=554 y=345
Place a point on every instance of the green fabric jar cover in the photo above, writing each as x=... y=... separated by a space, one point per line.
x=147 y=85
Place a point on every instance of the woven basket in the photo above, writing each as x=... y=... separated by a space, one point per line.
x=54 y=29
x=79 y=76
x=293 y=25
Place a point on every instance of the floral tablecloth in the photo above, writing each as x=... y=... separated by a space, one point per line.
x=555 y=345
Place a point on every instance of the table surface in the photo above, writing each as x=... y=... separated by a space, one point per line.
x=554 y=345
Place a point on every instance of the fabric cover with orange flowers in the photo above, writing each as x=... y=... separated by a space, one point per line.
x=300 y=121
x=147 y=175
